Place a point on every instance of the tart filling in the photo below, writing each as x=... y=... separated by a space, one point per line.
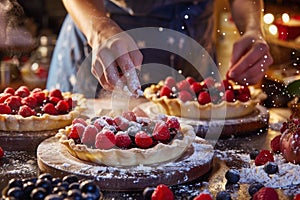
x=38 y=110
x=203 y=100
x=152 y=142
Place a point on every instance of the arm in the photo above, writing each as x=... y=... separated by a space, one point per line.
x=250 y=57
x=112 y=47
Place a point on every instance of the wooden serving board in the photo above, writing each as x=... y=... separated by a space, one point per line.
x=196 y=162
x=256 y=122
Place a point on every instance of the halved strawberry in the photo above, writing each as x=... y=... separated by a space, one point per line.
x=197 y=87
x=123 y=140
x=100 y=124
x=143 y=140
x=54 y=100
x=9 y=90
x=183 y=85
x=50 y=109
x=275 y=144
x=170 y=82
x=161 y=131
x=26 y=111
x=185 y=96
x=165 y=91
x=40 y=96
x=56 y=93
x=62 y=107
x=105 y=139
x=129 y=115
x=266 y=193
x=4 y=109
x=22 y=91
x=209 y=82
x=263 y=157
x=76 y=131
x=14 y=102
x=204 y=98
x=173 y=123
x=162 y=192
x=89 y=135
x=121 y=122
x=203 y=196
x=29 y=101
x=190 y=80
x=229 y=96
x=4 y=96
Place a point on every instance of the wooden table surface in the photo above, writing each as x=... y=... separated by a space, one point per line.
x=21 y=164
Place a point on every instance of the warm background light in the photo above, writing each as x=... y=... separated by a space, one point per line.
x=285 y=17
x=268 y=18
x=273 y=29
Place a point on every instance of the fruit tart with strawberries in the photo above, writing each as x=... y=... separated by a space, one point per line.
x=207 y=99
x=22 y=109
x=127 y=140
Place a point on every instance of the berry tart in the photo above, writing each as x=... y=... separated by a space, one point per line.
x=203 y=100
x=127 y=140
x=23 y=110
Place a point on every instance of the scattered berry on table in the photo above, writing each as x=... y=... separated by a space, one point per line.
x=271 y=168
x=266 y=193
x=203 y=196
x=232 y=176
x=162 y=192
x=223 y=195
x=275 y=144
x=254 y=187
x=263 y=157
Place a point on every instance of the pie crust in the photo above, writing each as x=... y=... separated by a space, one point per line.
x=9 y=122
x=194 y=110
x=130 y=157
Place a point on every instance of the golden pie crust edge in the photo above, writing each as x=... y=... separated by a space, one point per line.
x=130 y=157
x=193 y=110
x=44 y=122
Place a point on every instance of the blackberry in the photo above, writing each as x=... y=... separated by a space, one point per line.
x=254 y=187
x=223 y=195
x=253 y=154
x=232 y=176
x=271 y=168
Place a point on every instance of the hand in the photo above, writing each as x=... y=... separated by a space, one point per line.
x=250 y=59
x=115 y=58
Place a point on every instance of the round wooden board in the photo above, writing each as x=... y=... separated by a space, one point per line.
x=196 y=162
x=256 y=122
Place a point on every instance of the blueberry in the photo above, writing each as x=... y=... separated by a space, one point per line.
x=55 y=181
x=16 y=192
x=64 y=184
x=70 y=179
x=54 y=197
x=254 y=187
x=44 y=183
x=15 y=182
x=58 y=189
x=38 y=194
x=253 y=154
x=232 y=176
x=271 y=168
x=64 y=194
x=31 y=180
x=88 y=186
x=45 y=176
x=27 y=188
x=75 y=194
x=74 y=185
x=147 y=193
x=89 y=196
x=223 y=195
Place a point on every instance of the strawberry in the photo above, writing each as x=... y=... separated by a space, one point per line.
x=227 y=85
x=275 y=144
x=89 y=135
x=183 y=85
x=284 y=127
x=49 y=108
x=29 y=101
x=263 y=157
x=105 y=139
x=62 y=107
x=297 y=197
x=203 y=196
x=121 y=123
x=22 y=91
x=204 y=98
x=100 y=124
x=1 y=153
x=123 y=140
x=161 y=131
x=36 y=90
x=185 y=96
x=209 y=82
x=162 y=192
x=229 y=96
x=76 y=131
x=26 y=111
x=173 y=123
x=40 y=96
x=197 y=87
x=143 y=140
x=14 y=102
x=4 y=109
x=70 y=102
x=170 y=82
x=4 y=96
x=54 y=100
x=190 y=80
x=9 y=90
x=266 y=193
x=165 y=91
x=243 y=97
x=80 y=121
x=129 y=115
x=108 y=119
x=56 y=93
x=244 y=90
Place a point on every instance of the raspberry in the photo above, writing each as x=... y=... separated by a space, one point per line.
x=14 y=102
x=170 y=82
x=29 y=101
x=4 y=96
x=89 y=135
x=54 y=100
x=26 y=111
x=263 y=157
x=173 y=123
x=40 y=97
x=190 y=80
x=165 y=91
x=266 y=193
x=203 y=196
x=162 y=192
x=100 y=124
x=1 y=153
x=49 y=108
x=62 y=106
x=275 y=144
x=204 y=98
x=227 y=85
x=80 y=121
x=22 y=91
x=76 y=131
x=183 y=85
x=56 y=93
x=143 y=140
x=105 y=139
x=123 y=140
x=229 y=96
x=185 y=96
x=121 y=123
x=209 y=82
x=9 y=90
x=129 y=115
x=196 y=87
x=161 y=131
x=4 y=109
